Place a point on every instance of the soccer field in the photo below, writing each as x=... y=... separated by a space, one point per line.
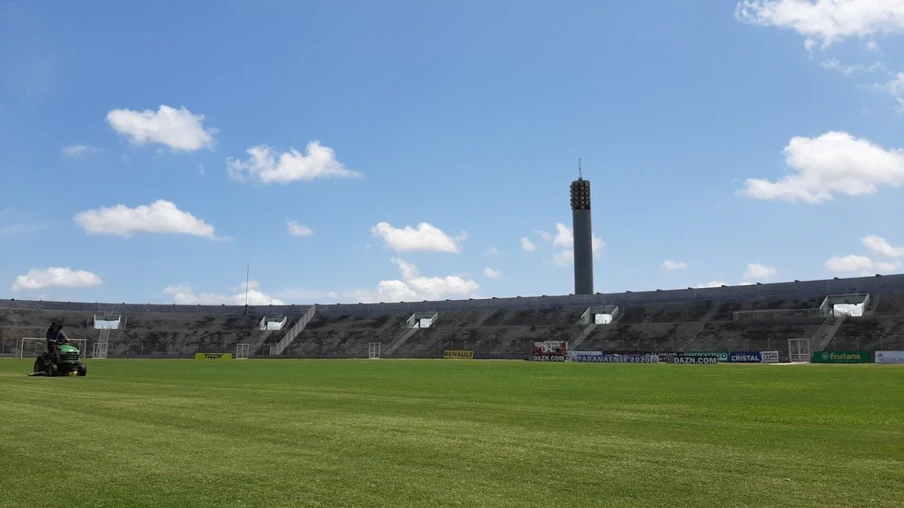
x=410 y=433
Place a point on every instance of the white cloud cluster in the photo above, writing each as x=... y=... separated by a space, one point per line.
x=414 y=287
x=161 y=216
x=55 y=277
x=826 y=21
x=865 y=265
x=182 y=294
x=179 y=129
x=755 y=272
x=833 y=64
x=528 y=245
x=424 y=237
x=76 y=151
x=296 y=229
x=266 y=166
x=673 y=265
x=758 y=272
x=711 y=284
x=564 y=238
x=491 y=273
x=834 y=163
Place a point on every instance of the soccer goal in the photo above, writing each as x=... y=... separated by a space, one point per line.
x=99 y=350
x=241 y=351
x=28 y=347
x=373 y=350
x=799 y=350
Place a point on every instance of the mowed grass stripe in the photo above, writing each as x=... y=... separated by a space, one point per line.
x=347 y=433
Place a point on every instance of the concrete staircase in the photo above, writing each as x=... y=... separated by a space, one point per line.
x=296 y=330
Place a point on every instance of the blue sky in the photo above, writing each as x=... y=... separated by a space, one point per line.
x=150 y=151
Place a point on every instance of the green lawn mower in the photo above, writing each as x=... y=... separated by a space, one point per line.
x=64 y=362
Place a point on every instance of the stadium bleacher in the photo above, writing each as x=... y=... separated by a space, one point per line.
x=753 y=317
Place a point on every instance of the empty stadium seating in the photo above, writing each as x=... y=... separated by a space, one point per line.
x=756 y=317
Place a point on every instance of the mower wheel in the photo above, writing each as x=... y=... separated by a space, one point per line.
x=39 y=365
x=52 y=369
x=82 y=369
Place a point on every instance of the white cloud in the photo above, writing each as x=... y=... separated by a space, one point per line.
x=528 y=245
x=161 y=216
x=564 y=258
x=895 y=86
x=872 y=46
x=183 y=295
x=833 y=64
x=758 y=272
x=414 y=287
x=425 y=237
x=201 y=169
x=296 y=229
x=55 y=277
x=544 y=236
x=493 y=251
x=564 y=238
x=828 y=21
x=673 y=265
x=178 y=129
x=712 y=284
x=861 y=264
x=491 y=273
x=881 y=246
x=76 y=151
x=835 y=162
x=292 y=166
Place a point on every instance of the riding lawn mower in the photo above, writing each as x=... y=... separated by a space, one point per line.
x=64 y=361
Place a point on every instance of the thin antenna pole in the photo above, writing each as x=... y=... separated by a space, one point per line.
x=580 y=172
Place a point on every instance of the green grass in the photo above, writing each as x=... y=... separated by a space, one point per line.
x=187 y=433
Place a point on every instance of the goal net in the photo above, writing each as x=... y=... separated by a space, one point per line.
x=373 y=350
x=241 y=351
x=31 y=347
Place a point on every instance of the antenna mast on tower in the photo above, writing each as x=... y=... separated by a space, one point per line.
x=580 y=172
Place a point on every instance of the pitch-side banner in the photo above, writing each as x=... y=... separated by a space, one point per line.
x=572 y=354
x=769 y=356
x=213 y=356
x=550 y=351
x=616 y=358
x=745 y=357
x=458 y=354
x=694 y=358
x=890 y=357
x=722 y=356
x=840 y=357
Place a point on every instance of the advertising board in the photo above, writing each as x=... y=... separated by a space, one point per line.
x=896 y=357
x=697 y=359
x=745 y=357
x=603 y=358
x=549 y=351
x=840 y=357
x=213 y=356
x=769 y=356
x=721 y=356
x=458 y=354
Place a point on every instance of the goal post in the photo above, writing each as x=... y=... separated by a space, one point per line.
x=373 y=350
x=241 y=350
x=99 y=351
x=799 y=350
x=34 y=346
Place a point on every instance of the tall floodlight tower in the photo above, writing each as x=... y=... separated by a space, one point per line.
x=583 y=235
